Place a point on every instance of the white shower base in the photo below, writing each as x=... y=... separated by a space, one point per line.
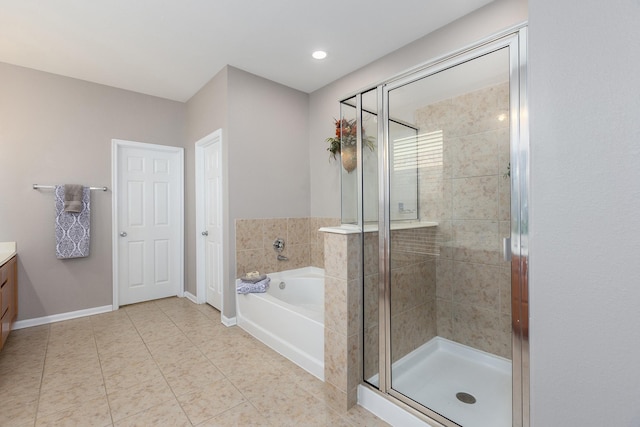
x=435 y=372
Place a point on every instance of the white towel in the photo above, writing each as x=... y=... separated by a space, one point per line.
x=72 y=229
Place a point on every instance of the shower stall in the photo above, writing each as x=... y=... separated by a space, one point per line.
x=439 y=189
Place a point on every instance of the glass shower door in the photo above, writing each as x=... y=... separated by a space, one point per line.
x=449 y=187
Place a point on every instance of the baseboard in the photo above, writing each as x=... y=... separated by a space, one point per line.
x=191 y=297
x=20 y=324
x=228 y=321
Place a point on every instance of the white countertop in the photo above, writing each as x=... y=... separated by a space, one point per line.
x=400 y=225
x=7 y=251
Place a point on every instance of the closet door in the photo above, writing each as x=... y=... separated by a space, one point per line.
x=149 y=222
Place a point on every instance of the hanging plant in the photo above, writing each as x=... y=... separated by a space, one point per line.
x=345 y=143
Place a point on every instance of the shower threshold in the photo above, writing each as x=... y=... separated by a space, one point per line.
x=466 y=385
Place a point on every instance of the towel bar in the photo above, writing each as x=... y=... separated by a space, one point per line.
x=36 y=186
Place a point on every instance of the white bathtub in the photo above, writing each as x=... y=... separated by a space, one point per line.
x=289 y=320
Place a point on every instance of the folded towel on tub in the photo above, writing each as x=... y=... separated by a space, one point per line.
x=247 y=287
x=255 y=279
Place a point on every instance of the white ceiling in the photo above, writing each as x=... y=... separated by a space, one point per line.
x=171 y=48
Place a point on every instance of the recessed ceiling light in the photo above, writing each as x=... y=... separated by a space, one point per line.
x=319 y=54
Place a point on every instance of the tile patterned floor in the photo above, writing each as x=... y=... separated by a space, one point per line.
x=162 y=363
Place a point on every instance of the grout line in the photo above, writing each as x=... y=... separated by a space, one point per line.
x=44 y=361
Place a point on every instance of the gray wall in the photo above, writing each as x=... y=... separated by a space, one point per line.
x=265 y=129
x=206 y=113
x=56 y=130
x=323 y=104
x=268 y=156
x=585 y=205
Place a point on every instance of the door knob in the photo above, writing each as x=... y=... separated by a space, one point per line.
x=205 y=233
x=123 y=234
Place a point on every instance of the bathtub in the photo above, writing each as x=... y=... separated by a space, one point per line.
x=289 y=317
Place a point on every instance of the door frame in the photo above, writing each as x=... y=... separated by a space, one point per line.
x=214 y=137
x=116 y=146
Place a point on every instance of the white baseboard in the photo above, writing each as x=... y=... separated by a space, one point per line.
x=20 y=324
x=191 y=297
x=228 y=321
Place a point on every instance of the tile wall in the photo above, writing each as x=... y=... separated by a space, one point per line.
x=413 y=293
x=343 y=325
x=469 y=196
x=304 y=245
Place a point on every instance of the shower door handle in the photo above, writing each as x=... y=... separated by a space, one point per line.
x=506 y=249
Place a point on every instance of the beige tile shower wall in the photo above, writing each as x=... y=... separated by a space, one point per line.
x=371 y=305
x=413 y=293
x=469 y=197
x=304 y=245
x=413 y=290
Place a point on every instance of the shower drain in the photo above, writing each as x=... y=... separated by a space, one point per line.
x=466 y=398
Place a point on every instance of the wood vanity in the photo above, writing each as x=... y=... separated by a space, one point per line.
x=8 y=289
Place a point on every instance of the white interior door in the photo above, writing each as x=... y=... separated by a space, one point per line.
x=209 y=219
x=148 y=222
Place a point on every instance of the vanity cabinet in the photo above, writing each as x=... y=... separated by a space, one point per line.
x=8 y=297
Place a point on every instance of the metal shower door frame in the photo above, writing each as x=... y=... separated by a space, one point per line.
x=516 y=40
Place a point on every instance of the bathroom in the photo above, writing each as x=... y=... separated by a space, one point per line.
x=49 y=288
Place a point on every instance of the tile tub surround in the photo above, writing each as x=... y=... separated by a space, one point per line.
x=164 y=362
x=343 y=327
x=304 y=245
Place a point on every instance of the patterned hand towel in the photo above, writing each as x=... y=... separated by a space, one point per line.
x=72 y=229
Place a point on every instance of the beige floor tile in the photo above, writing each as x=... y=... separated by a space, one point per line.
x=18 y=411
x=113 y=337
x=245 y=415
x=227 y=344
x=191 y=376
x=160 y=331
x=140 y=397
x=210 y=401
x=240 y=361
x=307 y=382
x=123 y=350
x=176 y=346
x=360 y=417
x=298 y=408
x=72 y=361
x=94 y=412
x=263 y=383
x=165 y=414
x=72 y=394
x=130 y=374
x=171 y=354
x=202 y=335
x=128 y=367
x=22 y=363
x=20 y=384
x=209 y=311
x=84 y=364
